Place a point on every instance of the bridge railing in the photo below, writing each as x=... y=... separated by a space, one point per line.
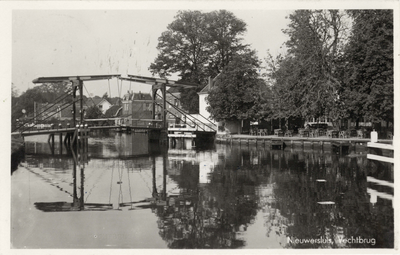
x=383 y=149
x=382 y=146
x=202 y=126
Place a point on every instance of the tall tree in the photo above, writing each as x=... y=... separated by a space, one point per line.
x=367 y=88
x=307 y=76
x=225 y=39
x=183 y=47
x=197 y=45
x=235 y=93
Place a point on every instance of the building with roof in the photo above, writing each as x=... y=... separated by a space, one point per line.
x=203 y=94
x=174 y=106
x=114 y=111
x=102 y=103
x=47 y=111
x=137 y=108
x=226 y=126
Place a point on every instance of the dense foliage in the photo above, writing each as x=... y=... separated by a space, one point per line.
x=93 y=112
x=338 y=64
x=46 y=93
x=196 y=46
x=367 y=85
x=234 y=95
x=306 y=79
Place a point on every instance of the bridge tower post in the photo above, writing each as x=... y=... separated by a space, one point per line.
x=164 y=93
x=162 y=88
x=80 y=84
x=74 y=87
x=162 y=134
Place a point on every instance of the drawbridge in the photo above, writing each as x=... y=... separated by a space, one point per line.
x=194 y=127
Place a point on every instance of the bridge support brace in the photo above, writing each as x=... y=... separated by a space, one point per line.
x=50 y=141
x=61 y=143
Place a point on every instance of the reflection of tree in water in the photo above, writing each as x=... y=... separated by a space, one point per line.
x=343 y=181
x=208 y=215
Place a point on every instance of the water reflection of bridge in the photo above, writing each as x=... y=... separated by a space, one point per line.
x=244 y=191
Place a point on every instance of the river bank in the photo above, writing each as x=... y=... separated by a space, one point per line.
x=293 y=139
x=17 y=151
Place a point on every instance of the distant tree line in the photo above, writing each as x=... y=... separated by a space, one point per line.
x=23 y=105
x=52 y=93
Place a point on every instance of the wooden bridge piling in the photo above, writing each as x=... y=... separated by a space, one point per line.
x=61 y=143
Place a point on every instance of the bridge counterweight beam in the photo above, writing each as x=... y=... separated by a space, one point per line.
x=74 y=87
x=81 y=100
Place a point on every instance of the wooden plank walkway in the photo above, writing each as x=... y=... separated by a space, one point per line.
x=299 y=139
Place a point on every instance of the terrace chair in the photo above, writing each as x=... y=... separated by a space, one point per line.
x=303 y=132
x=352 y=132
x=360 y=133
x=316 y=132
x=289 y=133
x=344 y=134
x=332 y=133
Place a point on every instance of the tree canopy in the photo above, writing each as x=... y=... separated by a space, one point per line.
x=196 y=46
x=93 y=112
x=235 y=93
x=367 y=85
x=44 y=93
x=306 y=79
x=338 y=64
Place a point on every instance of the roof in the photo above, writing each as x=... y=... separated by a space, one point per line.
x=47 y=107
x=142 y=96
x=174 y=90
x=67 y=112
x=205 y=90
x=95 y=101
x=113 y=111
x=43 y=110
x=211 y=82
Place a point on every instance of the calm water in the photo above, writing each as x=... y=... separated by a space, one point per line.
x=126 y=193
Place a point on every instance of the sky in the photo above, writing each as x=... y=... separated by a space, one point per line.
x=54 y=38
x=91 y=42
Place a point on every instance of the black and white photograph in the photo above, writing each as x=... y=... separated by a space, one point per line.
x=255 y=125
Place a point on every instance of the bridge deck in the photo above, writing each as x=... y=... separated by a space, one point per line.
x=71 y=130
